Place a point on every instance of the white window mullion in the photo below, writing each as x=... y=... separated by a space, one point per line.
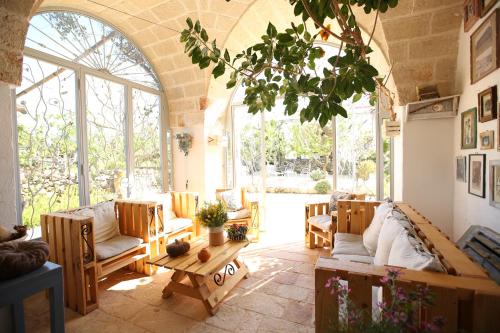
x=163 y=145
x=82 y=143
x=129 y=137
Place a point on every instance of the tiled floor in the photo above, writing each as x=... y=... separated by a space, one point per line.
x=278 y=297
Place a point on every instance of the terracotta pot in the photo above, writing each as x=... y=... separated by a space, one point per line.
x=216 y=236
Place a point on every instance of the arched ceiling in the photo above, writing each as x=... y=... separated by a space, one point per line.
x=419 y=38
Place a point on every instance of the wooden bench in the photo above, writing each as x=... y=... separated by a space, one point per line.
x=321 y=234
x=252 y=221
x=72 y=245
x=465 y=295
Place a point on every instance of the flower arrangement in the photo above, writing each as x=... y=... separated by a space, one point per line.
x=400 y=314
x=212 y=215
x=237 y=232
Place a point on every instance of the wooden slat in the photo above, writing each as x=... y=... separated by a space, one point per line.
x=326 y=305
x=111 y=267
x=445 y=305
x=121 y=217
x=216 y=262
x=342 y=207
x=69 y=268
x=355 y=226
x=361 y=293
x=486 y=313
x=137 y=221
x=78 y=266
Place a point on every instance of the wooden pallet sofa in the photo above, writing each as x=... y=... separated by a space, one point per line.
x=320 y=219
x=92 y=242
x=464 y=294
x=241 y=210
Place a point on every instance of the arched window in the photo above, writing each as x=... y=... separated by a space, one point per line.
x=277 y=152
x=89 y=116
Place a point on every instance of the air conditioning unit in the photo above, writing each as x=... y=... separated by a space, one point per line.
x=444 y=107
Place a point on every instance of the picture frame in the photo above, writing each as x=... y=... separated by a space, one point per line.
x=484 y=48
x=487 y=104
x=469 y=129
x=495 y=183
x=461 y=169
x=472 y=13
x=485 y=6
x=498 y=129
x=487 y=140
x=477 y=171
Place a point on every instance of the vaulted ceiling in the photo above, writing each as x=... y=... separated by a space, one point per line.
x=419 y=38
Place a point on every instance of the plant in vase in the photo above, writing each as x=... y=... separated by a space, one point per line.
x=237 y=232
x=213 y=216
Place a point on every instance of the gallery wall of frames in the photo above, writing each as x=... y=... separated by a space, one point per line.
x=478 y=151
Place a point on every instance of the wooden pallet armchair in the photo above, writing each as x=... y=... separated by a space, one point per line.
x=465 y=295
x=184 y=205
x=319 y=231
x=72 y=245
x=251 y=218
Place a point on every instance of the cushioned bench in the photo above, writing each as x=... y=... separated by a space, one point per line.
x=371 y=236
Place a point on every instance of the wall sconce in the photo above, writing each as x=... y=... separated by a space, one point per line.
x=185 y=141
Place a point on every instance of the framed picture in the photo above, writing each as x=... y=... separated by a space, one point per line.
x=498 y=129
x=477 y=170
x=472 y=13
x=487 y=102
x=484 y=48
x=486 y=5
x=487 y=140
x=462 y=169
x=495 y=183
x=469 y=129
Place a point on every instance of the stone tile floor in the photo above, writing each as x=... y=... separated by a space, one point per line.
x=277 y=297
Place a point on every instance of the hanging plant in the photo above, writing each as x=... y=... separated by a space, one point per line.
x=284 y=63
x=185 y=142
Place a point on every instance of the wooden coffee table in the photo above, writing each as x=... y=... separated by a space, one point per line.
x=201 y=274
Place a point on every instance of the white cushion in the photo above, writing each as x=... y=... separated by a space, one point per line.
x=321 y=221
x=349 y=244
x=115 y=246
x=354 y=257
x=176 y=224
x=165 y=199
x=232 y=199
x=408 y=252
x=370 y=235
x=393 y=224
x=239 y=214
x=105 y=221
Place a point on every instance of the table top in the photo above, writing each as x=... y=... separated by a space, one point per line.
x=189 y=262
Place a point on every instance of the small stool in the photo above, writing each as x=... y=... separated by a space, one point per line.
x=13 y=291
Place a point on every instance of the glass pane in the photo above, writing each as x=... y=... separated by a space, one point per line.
x=147 y=177
x=387 y=164
x=46 y=117
x=79 y=38
x=356 y=153
x=106 y=139
x=170 y=165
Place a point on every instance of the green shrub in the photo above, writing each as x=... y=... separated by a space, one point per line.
x=322 y=187
x=317 y=175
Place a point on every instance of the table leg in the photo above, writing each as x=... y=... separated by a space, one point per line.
x=240 y=265
x=176 y=277
x=56 y=308
x=18 y=316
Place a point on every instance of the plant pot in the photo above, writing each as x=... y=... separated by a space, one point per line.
x=216 y=236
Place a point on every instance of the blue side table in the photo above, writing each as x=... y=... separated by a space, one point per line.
x=49 y=276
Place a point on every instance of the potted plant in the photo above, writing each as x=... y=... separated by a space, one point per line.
x=237 y=232
x=213 y=216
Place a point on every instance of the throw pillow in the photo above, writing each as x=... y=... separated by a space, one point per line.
x=408 y=251
x=105 y=221
x=232 y=199
x=336 y=196
x=370 y=235
x=393 y=224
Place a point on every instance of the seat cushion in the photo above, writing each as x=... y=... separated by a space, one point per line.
x=370 y=235
x=409 y=252
x=239 y=214
x=349 y=244
x=105 y=221
x=115 y=246
x=354 y=258
x=394 y=223
x=321 y=221
x=176 y=224
x=232 y=199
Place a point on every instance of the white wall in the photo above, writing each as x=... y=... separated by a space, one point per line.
x=424 y=169
x=470 y=209
x=8 y=187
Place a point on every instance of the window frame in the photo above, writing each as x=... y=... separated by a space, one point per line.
x=81 y=122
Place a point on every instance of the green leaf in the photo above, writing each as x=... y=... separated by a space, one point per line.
x=226 y=56
x=197 y=26
x=204 y=35
x=196 y=56
x=356 y=97
x=231 y=83
x=189 y=23
x=219 y=69
x=285 y=38
x=271 y=30
x=205 y=62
